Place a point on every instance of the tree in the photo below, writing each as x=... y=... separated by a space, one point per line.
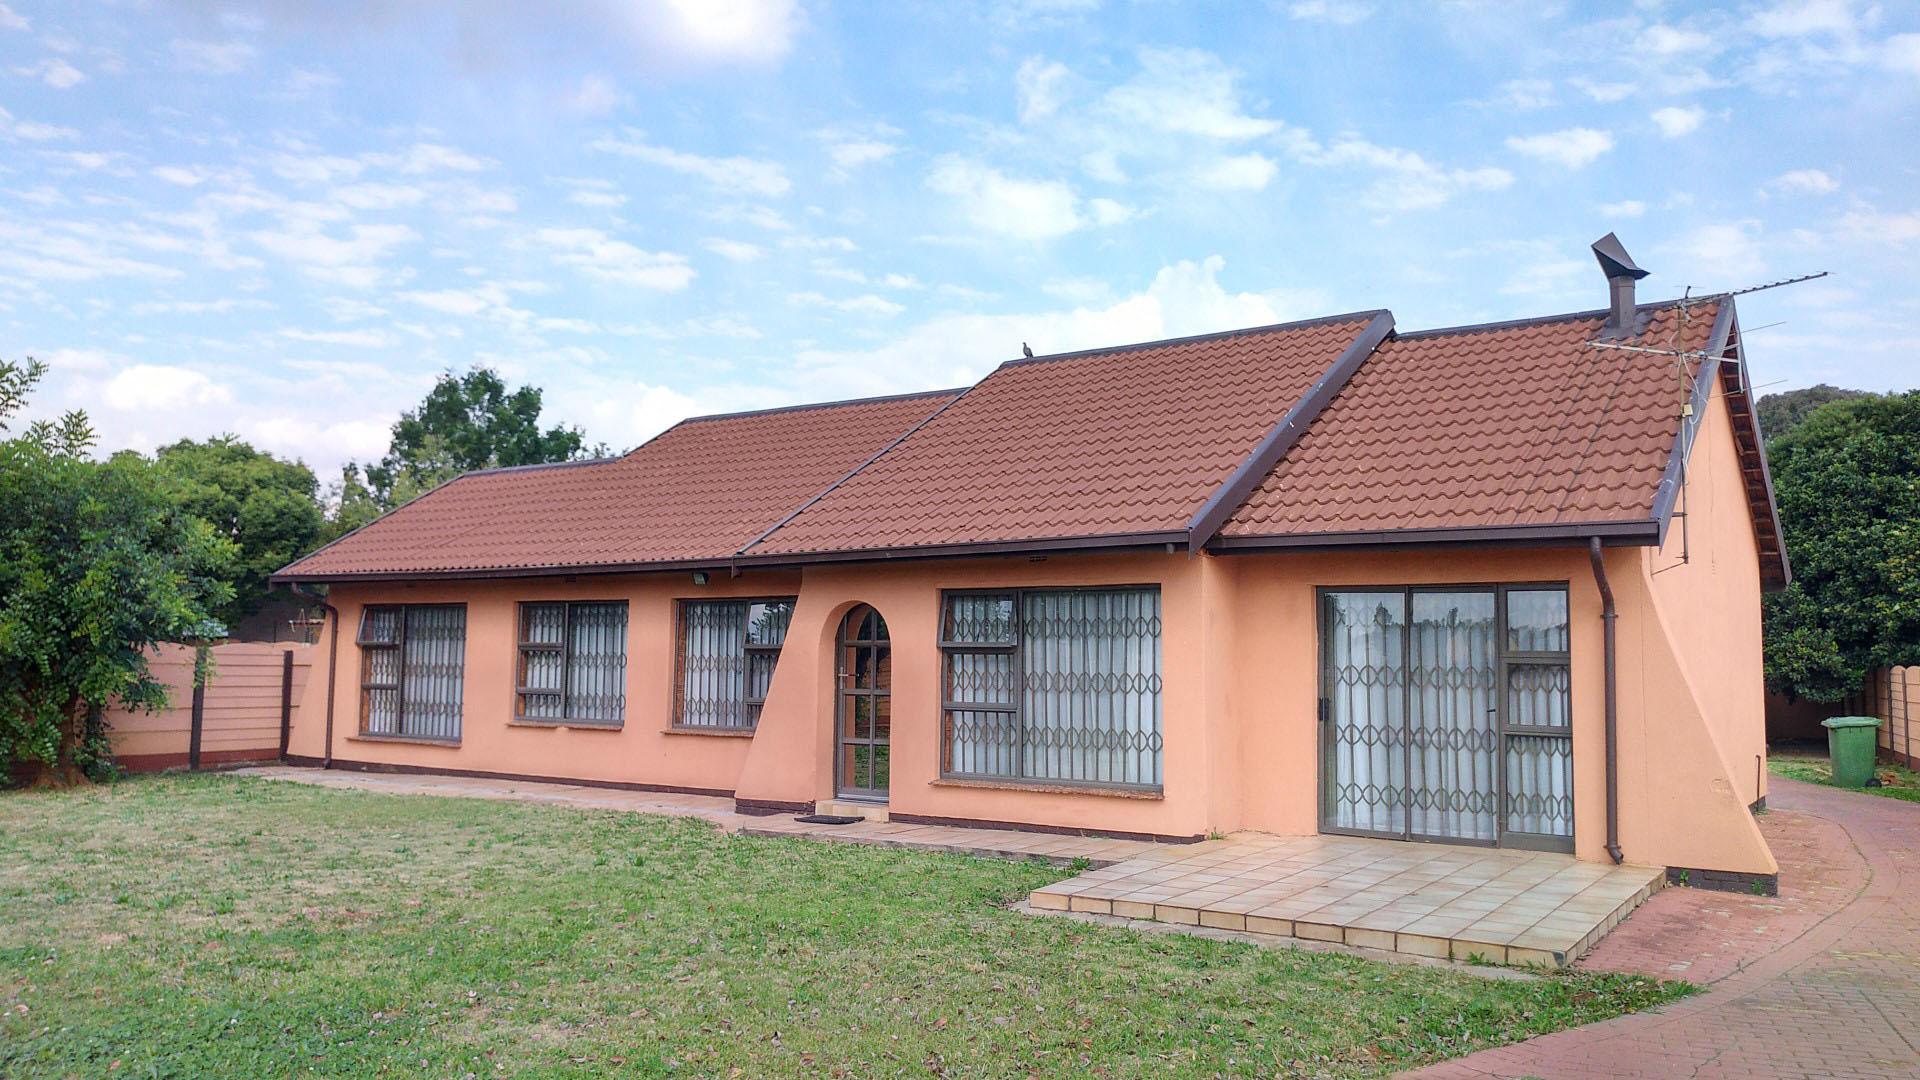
x=1847 y=481
x=1781 y=413
x=97 y=564
x=466 y=422
x=268 y=508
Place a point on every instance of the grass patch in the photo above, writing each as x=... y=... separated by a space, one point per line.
x=1812 y=766
x=221 y=926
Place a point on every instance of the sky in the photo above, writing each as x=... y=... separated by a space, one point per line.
x=283 y=220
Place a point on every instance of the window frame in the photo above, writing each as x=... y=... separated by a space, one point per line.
x=1506 y=659
x=748 y=650
x=399 y=647
x=522 y=646
x=949 y=647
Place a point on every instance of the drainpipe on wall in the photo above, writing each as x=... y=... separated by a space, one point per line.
x=1609 y=615
x=333 y=656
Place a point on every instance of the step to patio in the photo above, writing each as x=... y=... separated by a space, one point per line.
x=1510 y=907
x=853 y=808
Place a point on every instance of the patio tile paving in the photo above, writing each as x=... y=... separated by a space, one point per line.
x=1428 y=900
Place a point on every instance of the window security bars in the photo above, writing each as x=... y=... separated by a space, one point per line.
x=728 y=651
x=573 y=663
x=1053 y=686
x=1446 y=714
x=412 y=666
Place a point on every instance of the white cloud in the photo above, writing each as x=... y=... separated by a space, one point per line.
x=742 y=175
x=213 y=57
x=1244 y=172
x=11 y=20
x=155 y=387
x=348 y=259
x=1111 y=212
x=81 y=359
x=857 y=152
x=1338 y=12
x=1525 y=94
x=595 y=96
x=1800 y=18
x=357 y=339
x=1606 y=93
x=1675 y=121
x=1407 y=180
x=53 y=71
x=1039 y=87
x=735 y=250
x=1902 y=53
x=380 y=196
x=1804 y=181
x=1572 y=148
x=868 y=304
x=1625 y=208
x=1183 y=298
x=1876 y=227
x=1663 y=40
x=997 y=203
x=432 y=157
x=598 y=255
x=1722 y=252
x=744 y=30
x=31 y=130
x=1187 y=92
x=182 y=175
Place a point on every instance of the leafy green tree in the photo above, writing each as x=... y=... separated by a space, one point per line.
x=269 y=509
x=1781 y=413
x=467 y=422
x=1847 y=480
x=97 y=564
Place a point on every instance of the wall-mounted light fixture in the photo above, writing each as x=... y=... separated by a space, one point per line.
x=699 y=577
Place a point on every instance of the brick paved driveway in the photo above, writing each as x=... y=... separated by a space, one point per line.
x=1824 y=982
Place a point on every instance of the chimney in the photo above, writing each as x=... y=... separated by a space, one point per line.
x=1621 y=274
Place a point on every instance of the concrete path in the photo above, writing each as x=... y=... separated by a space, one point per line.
x=987 y=843
x=1824 y=982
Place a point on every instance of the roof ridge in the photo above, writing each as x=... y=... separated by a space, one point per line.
x=855 y=471
x=1297 y=324
x=1541 y=320
x=744 y=413
x=1285 y=433
x=539 y=465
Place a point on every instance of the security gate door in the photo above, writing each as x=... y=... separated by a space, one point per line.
x=1444 y=715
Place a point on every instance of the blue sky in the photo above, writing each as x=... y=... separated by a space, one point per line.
x=259 y=219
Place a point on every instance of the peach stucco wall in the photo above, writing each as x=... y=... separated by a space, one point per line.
x=1240 y=670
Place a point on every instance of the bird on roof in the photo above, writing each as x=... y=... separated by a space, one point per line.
x=1026 y=350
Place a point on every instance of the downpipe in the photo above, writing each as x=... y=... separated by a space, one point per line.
x=1609 y=615
x=333 y=658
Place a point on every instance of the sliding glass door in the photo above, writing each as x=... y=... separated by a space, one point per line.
x=1445 y=714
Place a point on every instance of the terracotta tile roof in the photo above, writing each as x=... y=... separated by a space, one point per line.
x=1498 y=425
x=1106 y=443
x=697 y=492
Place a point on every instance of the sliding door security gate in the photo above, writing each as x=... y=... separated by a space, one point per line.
x=1444 y=714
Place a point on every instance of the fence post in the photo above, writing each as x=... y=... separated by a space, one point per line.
x=199 y=706
x=286 y=701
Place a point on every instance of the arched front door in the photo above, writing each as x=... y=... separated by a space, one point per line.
x=865 y=719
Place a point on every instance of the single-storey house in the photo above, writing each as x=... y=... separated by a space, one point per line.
x=1493 y=585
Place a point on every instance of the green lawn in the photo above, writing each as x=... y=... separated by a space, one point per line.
x=1811 y=766
x=220 y=926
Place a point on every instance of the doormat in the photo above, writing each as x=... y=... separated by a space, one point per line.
x=827 y=819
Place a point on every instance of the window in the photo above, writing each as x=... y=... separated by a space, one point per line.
x=1446 y=713
x=1057 y=686
x=412 y=663
x=573 y=663
x=728 y=649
